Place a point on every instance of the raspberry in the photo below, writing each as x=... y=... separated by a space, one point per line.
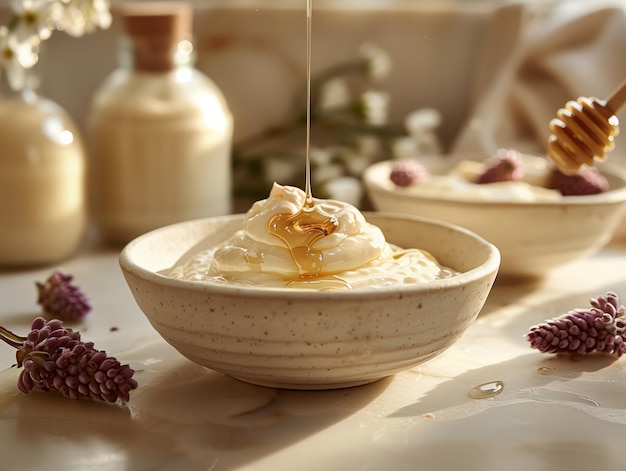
x=407 y=172
x=587 y=181
x=506 y=168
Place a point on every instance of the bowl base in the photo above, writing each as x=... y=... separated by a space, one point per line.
x=303 y=386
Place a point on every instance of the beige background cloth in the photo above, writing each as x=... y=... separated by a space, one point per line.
x=560 y=52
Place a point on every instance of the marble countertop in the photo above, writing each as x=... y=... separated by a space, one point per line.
x=555 y=413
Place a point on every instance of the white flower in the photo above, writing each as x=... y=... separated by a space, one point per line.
x=424 y=119
x=368 y=146
x=324 y=173
x=377 y=61
x=84 y=16
x=15 y=56
x=35 y=18
x=421 y=126
x=422 y=139
x=404 y=148
x=320 y=156
x=347 y=189
x=334 y=94
x=411 y=147
x=352 y=160
x=372 y=106
x=429 y=143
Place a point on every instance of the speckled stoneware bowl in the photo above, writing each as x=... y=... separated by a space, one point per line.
x=533 y=237
x=306 y=339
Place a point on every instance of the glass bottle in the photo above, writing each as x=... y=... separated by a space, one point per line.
x=42 y=179
x=160 y=131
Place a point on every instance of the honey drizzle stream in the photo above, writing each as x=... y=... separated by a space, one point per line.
x=300 y=231
x=308 y=202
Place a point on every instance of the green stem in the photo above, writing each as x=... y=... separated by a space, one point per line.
x=346 y=68
x=317 y=82
x=10 y=338
x=270 y=133
x=387 y=131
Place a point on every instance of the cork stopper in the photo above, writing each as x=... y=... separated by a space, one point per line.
x=155 y=29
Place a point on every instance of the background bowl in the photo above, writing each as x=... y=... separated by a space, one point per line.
x=533 y=237
x=305 y=339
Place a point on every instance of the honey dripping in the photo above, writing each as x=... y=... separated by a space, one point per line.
x=300 y=231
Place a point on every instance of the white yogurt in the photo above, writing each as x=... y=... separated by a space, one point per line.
x=356 y=255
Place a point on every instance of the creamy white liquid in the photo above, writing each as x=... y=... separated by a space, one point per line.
x=160 y=151
x=355 y=256
x=42 y=194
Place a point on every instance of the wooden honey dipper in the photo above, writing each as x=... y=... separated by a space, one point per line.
x=584 y=131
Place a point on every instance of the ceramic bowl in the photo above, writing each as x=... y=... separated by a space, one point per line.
x=304 y=339
x=533 y=237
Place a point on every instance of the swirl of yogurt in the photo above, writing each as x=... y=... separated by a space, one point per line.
x=353 y=244
x=356 y=254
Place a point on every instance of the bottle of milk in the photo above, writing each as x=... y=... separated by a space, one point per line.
x=159 y=130
x=42 y=179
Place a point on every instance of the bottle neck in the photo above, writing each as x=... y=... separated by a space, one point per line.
x=155 y=54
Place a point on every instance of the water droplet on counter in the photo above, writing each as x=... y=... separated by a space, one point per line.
x=486 y=390
x=544 y=370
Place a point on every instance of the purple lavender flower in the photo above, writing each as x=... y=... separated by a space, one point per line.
x=55 y=358
x=601 y=328
x=507 y=167
x=407 y=172
x=59 y=298
x=587 y=181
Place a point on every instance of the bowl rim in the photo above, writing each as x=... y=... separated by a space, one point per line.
x=491 y=266
x=612 y=196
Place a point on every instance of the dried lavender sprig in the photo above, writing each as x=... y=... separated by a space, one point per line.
x=60 y=298
x=601 y=328
x=55 y=358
